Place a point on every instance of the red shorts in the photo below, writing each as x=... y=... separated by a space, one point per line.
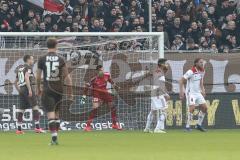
x=102 y=97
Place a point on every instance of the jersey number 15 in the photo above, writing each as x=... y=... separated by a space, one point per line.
x=52 y=70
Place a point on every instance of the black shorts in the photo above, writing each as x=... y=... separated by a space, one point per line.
x=25 y=101
x=51 y=100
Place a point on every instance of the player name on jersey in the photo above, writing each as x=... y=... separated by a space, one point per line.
x=52 y=64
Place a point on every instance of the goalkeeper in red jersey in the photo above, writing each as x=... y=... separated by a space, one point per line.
x=98 y=85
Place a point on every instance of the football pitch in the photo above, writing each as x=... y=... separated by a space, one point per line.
x=123 y=145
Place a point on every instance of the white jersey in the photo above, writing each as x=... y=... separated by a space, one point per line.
x=158 y=84
x=193 y=77
x=158 y=100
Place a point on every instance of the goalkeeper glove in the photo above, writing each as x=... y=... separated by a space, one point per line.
x=83 y=99
x=113 y=92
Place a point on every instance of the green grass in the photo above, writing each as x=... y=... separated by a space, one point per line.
x=125 y=145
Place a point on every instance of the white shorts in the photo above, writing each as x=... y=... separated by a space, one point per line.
x=158 y=102
x=194 y=99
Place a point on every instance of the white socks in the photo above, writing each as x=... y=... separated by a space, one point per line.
x=149 y=120
x=189 y=118
x=201 y=116
x=161 y=122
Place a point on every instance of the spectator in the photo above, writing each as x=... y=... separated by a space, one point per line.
x=223 y=10
x=38 y=17
x=162 y=12
x=160 y=28
x=75 y=27
x=169 y=18
x=81 y=8
x=228 y=33
x=18 y=27
x=177 y=8
x=175 y=29
x=111 y=18
x=207 y=23
x=67 y=29
x=96 y=9
x=212 y=15
x=135 y=7
x=204 y=46
x=64 y=22
x=11 y=19
x=102 y=25
x=96 y=26
x=29 y=18
x=194 y=32
x=42 y=27
x=143 y=24
x=3 y=18
x=48 y=22
x=55 y=28
x=85 y=29
x=186 y=21
x=177 y=43
x=122 y=7
x=214 y=48
x=209 y=36
x=32 y=25
x=118 y=25
x=232 y=42
x=82 y=23
x=190 y=45
x=154 y=20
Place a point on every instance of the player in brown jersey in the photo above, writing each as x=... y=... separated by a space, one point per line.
x=54 y=71
x=24 y=84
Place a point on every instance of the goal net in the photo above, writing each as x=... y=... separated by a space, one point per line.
x=127 y=56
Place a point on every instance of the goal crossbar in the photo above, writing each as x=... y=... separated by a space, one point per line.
x=81 y=34
x=160 y=36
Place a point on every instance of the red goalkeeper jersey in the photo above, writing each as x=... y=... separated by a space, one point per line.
x=99 y=87
x=98 y=83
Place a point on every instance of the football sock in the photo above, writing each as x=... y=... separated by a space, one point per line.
x=189 y=118
x=114 y=115
x=36 y=117
x=161 y=122
x=91 y=116
x=52 y=128
x=57 y=121
x=201 y=116
x=149 y=120
x=19 y=120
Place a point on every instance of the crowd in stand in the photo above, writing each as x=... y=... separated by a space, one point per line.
x=187 y=24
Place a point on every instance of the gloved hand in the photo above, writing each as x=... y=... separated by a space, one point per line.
x=113 y=92
x=83 y=99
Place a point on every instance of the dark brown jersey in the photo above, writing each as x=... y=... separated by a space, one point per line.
x=52 y=66
x=21 y=72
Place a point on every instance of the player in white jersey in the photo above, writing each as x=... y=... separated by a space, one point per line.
x=194 y=92
x=158 y=99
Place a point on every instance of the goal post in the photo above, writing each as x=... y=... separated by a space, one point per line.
x=127 y=56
